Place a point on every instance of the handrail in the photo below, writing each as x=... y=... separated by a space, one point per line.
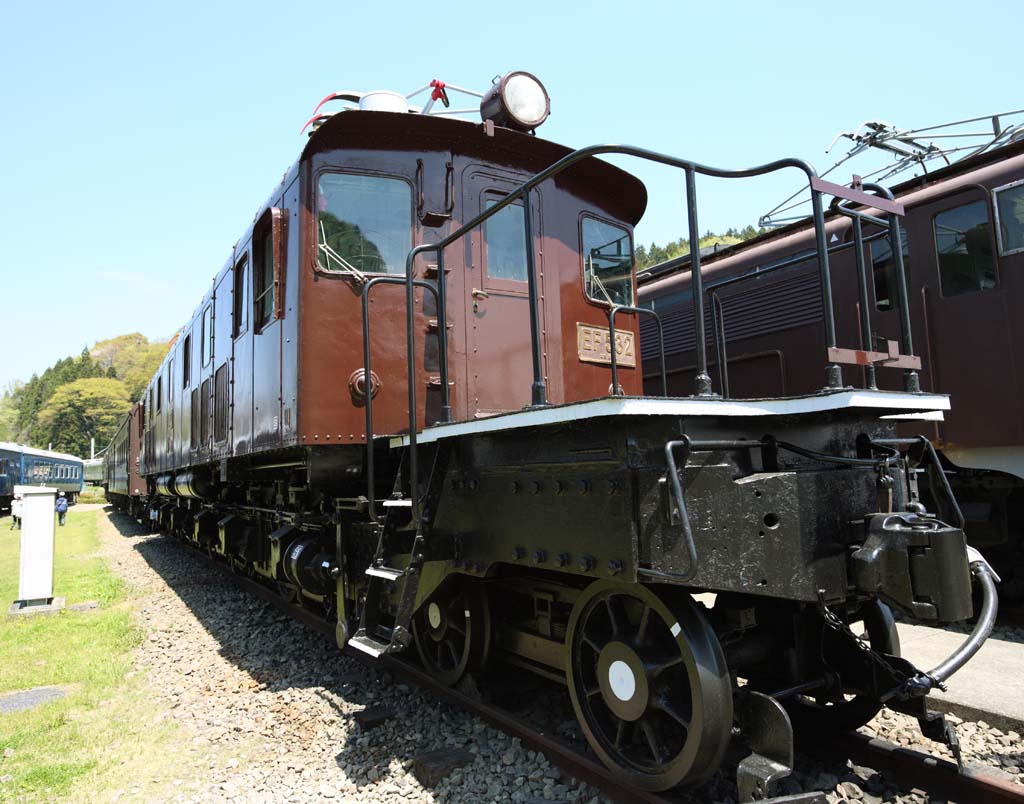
x=368 y=379
x=702 y=381
x=661 y=343
x=718 y=309
x=911 y=381
x=718 y=321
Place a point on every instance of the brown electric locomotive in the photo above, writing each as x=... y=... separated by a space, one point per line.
x=412 y=401
x=963 y=250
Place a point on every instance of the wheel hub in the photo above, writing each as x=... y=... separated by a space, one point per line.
x=623 y=681
x=434 y=616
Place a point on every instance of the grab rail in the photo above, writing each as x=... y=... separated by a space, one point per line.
x=368 y=379
x=891 y=231
x=614 y=356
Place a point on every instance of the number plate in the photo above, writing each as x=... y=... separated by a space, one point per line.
x=593 y=346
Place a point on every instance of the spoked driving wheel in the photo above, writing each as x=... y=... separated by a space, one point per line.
x=836 y=712
x=453 y=631
x=649 y=684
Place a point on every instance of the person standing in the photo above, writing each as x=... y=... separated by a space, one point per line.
x=62 y=508
x=16 y=507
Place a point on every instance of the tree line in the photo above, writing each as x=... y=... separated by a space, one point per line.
x=646 y=256
x=80 y=398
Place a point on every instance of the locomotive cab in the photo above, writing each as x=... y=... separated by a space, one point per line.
x=368 y=206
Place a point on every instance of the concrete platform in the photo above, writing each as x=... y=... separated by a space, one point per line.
x=989 y=687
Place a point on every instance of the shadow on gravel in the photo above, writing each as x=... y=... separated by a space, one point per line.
x=306 y=672
x=317 y=687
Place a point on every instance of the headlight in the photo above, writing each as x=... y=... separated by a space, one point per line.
x=518 y=100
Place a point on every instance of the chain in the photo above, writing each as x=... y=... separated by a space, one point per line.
x=833 y=621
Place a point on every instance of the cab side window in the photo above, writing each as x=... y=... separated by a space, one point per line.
x=238 y=305
x=505 y=239
x=263 y=276
x=963 y=246
x=186 y=361
x=607 y=262
x=364 y=224
x=206 y=339
x=1010 y=217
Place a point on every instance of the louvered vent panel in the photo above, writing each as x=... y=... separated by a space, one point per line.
x=194 y=439
x=749 y=312
x=220 y=403
x=204 y=413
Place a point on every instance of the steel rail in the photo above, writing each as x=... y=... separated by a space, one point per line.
x=940 y=778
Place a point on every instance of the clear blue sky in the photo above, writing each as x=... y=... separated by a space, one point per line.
x=137 y=139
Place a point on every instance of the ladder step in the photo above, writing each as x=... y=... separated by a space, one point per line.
x=397 y=504
x=387 y=573
x=368 y=644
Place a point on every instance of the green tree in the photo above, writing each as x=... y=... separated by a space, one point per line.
x=8 y=418
x=30 y=399
x=133 y=358
x=80 y=410
x=654 y=254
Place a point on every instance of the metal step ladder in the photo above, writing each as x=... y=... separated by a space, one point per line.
x=373 y=637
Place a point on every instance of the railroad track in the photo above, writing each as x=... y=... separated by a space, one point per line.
x=939 y=778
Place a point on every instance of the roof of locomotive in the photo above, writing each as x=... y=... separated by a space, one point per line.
x=617 y=192
x=678 y=267
x=10 y=446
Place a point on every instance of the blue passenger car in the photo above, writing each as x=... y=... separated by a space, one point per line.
x=20 y=465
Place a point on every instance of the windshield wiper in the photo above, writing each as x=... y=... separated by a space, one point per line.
x=331 y=254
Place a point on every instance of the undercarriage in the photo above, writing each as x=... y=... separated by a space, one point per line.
x=681 y=576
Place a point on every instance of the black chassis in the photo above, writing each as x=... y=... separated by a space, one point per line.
x=591 y=499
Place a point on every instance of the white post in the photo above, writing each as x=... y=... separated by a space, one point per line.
x=35 y=579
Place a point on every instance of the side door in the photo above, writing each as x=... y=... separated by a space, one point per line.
x=241 y=352
x=968 y=327
x=222 y=352
x=499 y=366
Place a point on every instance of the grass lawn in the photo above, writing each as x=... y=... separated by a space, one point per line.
x=68 y=749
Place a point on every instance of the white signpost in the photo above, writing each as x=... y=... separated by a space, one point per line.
x=35 y=578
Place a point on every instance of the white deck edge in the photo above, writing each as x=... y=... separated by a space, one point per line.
x=913 y=404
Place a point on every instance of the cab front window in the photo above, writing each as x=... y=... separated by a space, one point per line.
x=607 y=262
x=364 y=224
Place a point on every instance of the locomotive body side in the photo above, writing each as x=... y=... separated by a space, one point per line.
x=237 y=385
x=123 y=482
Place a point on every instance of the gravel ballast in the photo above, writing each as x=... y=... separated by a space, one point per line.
x=269 y=707
x=269 y=711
